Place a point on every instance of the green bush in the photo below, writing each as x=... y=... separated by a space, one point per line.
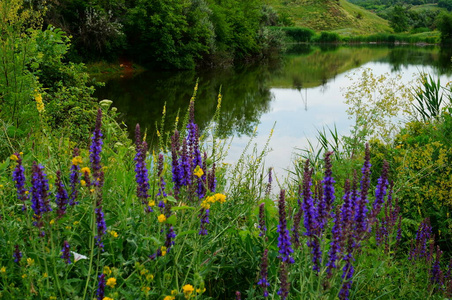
x=327 y=37
x=299 y=34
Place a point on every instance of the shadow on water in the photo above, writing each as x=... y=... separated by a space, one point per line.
x=246 y=90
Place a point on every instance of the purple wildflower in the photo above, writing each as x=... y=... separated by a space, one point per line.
x=437 y=276
x=19 y=179
x=61 y=196
x=361 y=205
x=204 y=215
x=39 y=195
x=419 y=249
x=380 y=192
x=185 y=165
x=347 y=275
x=141 y=171
x=101 y=287
x=238 y=295
x=212 y=179
x=296 y=222
x=101 y=226
x=170 y=236
x=96 y=149
x=177 y=176
x=66 y=254
x=75 y=176
x=283 y=292
x=328 y=183
x=335 y=244
x=17 y=255
x=263 y=281
x=284 y=244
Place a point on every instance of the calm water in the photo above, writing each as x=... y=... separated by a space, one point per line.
x=301 y=91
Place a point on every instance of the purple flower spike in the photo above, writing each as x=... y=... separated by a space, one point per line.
x=66 y=253
x=263 y=281
x=17 y=255
x=177 y=174
x=347 y=275
x=328 y=183
x=380 y=192
x=419 y=249
x=297 y=221
x=162 y=181
x=212 y=182
x=101 y=287
x=170 y=236
x=96 y=149
x=269 y=184
x=204 y=215
x=284 y=243
x=141 y=171
x=19 y=179
x=437 y=276
x=361 y=205
x=61 y=196
x=39 y=195
x=101 y=226
x=283 y=292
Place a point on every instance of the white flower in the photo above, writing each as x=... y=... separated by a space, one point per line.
x=78 y=257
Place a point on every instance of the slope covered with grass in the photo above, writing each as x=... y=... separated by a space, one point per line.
x=342 y=17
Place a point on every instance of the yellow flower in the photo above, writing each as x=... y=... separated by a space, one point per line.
x=45 y=275
x=149 y=277
x=145 y=289
x=3 y=270
x=52 y=298
x=14 y=157
x=205 y=204
x=188 y=290
x=76 y=223
x=210 y=199
x=83 y=182
x=91 y=191
x=114 y=234
x=30 y=261
x=52 y=222
x=107 y=270
x=85 y=170
x=151 y=203
x=199 y=291
x=24 y=276
x=174 y=292
x=198 y=171
x=163 y=249
x=144 y=271
x=107 y=298
x=220 y=198
x=39 y=103
x=162 y=218
x=169 y=298
x=76 y=160
x=111 y=282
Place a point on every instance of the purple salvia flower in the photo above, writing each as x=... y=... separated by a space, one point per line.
x=328 y=183
x=66 y=253
x=39 y=195
x=335 y=245
x=263 y=281
x=284 y=243
x=96 y=149
x=170 y=236
x=19 y=180
x=347 y=213
x=212 y=179
x=17 y=255
x=262 y=227
x=347 y=275
x=437 y=276
x=61 y=195
x=238 y=295
x=380 y=192
x=141 y=171
x=87 y=178
x=185 y=165
x=101 y=226
x=101 y=287
x=177 y=175
x=361 y=205
x=283 y=291
x=419 y=249
x=75 y=176
x=204 y=215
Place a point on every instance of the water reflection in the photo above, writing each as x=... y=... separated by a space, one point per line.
x=301 y=92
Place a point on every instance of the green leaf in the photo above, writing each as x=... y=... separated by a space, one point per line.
x=171 y=199
x=171 y=220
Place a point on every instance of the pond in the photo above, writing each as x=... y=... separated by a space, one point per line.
x=298 y=93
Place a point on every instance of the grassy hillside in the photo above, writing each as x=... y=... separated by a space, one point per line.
x=343 y=17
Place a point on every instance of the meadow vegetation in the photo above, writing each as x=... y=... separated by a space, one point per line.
x=86 y=212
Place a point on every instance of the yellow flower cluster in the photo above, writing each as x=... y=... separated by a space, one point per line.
x=161 y=218
x=111 y=282
x=85 y=170
x=39 y=103
x=187 y=290
x=212 y=199
x=77 y=160
x=198 y=171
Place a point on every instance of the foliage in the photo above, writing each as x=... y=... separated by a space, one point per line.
x=328 y=37
x=444 y=24
x=399 y=19
x=299 y=34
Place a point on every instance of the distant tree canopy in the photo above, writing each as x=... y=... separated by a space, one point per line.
x=445 y=27
x=170 y=33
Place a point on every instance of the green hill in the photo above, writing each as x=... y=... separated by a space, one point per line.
x=330 y=15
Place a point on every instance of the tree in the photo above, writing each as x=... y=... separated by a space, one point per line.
x=444 y=25
x=399 y=19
